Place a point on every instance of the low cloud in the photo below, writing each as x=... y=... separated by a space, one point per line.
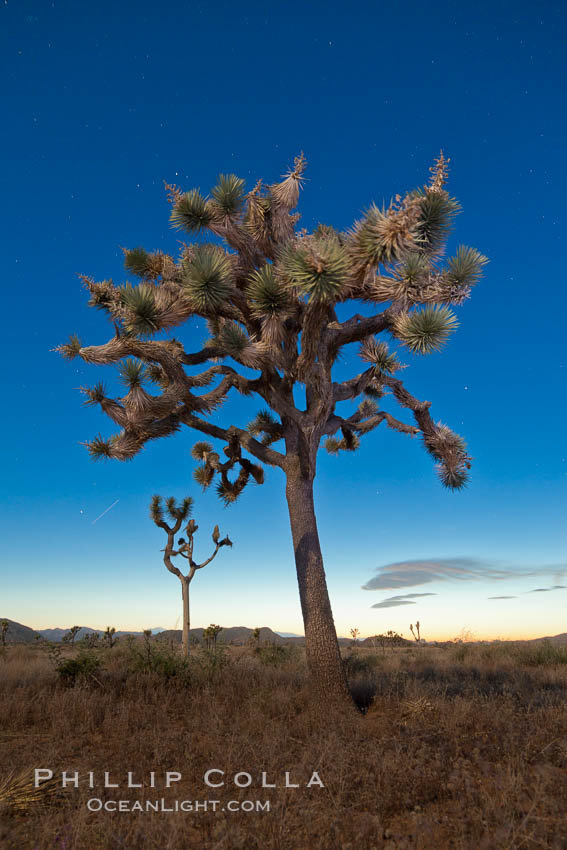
x=414 y=573
x=393 y=603
x=501 y=597
x=547 y=589
x=406 y=599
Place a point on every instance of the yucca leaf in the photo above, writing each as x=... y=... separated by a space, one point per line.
x=373 y=392
x=137 y=261
x=267 y=295
x=414 y=268
x=332 y=445
x=132 y=372
x=229 y=194
x=143 y=316
x=203 y=475
x=226 y=492
x=191 y=212
x=452 y=478
x=156 y=512
x=437 y=211
x=207 y=277
x=70 y=349
x=200 y=450
x=319 y=270
x=425 y=330
x=377 y=352
x=95 y=394
x=264 y=420
x=99 y=447
x=465 y=268
x=232 y=339
x=179 y=512
x=383 y=236
x=368 y=408
x=186 y=508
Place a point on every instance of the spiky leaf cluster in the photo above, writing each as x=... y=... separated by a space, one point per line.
x=70 y=350
x=200 y=450
x=228 y=195
x=138 y=262
x=207 y=278
x=450 y=450
x=349 y=442
x=232 y=340
x=426 y=330
x=379 y=355
x=266 y=427
x=96 y=394
x=156 y=510
x=192 y=212
x=142 y=315
x=318 y=268
x=180 y=511
x=465 y=268
x=267 y=296
x=385 y=235
x=100 y=448
x=132 y=372
x=436 y=213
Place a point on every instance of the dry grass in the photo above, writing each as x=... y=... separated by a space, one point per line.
x=456 y=750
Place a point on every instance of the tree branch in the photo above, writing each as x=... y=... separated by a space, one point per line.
x=261 y=452
x=359 y=327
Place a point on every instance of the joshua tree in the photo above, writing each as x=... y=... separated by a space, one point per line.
x=179 y=513
x=71 y=635
x=275 y=299
x=354 y=633
x=4 y=626
x=415 y=634
x=211 y=633
x=109 y=636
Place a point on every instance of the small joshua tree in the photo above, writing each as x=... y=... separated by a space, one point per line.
x=276 y=300
x=354 y=634
x=178 y=514
x=109 y=636
x=4 y=626
x=92 y=640
x=415 y=634
x=211 y=634
x=71 y=635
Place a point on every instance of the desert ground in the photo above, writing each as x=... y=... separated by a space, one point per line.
x=460 y=746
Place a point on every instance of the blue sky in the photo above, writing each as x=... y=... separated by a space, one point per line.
x=103 y=103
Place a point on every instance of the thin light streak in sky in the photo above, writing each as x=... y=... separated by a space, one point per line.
x=105 y=512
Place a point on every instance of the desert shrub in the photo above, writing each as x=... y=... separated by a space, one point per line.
x=360 y=665
x=82 y=668
x=161 y=659
x=210 y=661
x=275 y=654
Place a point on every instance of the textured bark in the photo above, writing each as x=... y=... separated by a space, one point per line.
x=186 y=623
x=322 y=647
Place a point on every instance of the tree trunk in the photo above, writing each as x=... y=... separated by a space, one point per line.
x=322 y=647
x=185 y=594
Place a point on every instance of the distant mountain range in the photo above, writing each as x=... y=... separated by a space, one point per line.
x=18 y=633
x=57 y=635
